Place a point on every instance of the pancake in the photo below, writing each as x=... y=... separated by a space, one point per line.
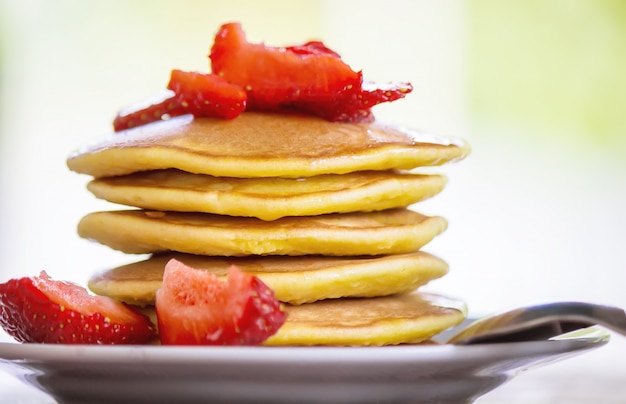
x=267 y=198
x=390 y=320
x=393 y=231
x=263 y=145
x=295 y=280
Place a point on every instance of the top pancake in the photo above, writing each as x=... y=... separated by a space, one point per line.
x=263 y=145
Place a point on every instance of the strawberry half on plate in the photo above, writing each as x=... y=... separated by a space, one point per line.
x=195 y=307
x=39 y=309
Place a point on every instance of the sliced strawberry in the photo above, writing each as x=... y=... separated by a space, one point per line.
x=41 y=310
x=207 y=95
x=195 y=307
x=194 y=93
x=309 y=78
x=162 y=106
x=355 y=105
x=313 y=48
x=276 y=77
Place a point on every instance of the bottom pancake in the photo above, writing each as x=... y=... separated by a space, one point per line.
x=391 y=320
x=295 y=280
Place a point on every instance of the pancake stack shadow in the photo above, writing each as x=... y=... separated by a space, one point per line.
x=319 y=211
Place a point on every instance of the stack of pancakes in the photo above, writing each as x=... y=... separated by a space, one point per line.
x=317 y=210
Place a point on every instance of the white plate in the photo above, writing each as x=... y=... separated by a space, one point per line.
x=418 y=373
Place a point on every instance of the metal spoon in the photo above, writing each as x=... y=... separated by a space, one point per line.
x=540 y=322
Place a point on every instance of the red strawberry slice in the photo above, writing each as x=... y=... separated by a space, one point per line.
x=207 y=95
x=275 y=77
x=194 y=93
x=195 y=307
x=41 y=310
x=355 y=105
x=162 y=106
x=313 y=48
x=309 y=78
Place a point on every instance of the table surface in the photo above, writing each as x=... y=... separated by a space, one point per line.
x=598 y=376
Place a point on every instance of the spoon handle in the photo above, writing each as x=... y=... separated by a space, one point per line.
x=612 y=318
x=541 y=322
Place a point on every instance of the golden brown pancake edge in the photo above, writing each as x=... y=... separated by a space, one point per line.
x=294 y=280
x=408 y=318
x=264 y=145
x=390 y=320
x=267 y=198
x=391 y=231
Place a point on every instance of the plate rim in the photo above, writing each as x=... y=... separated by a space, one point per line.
x=241 y=374
x=26 y=352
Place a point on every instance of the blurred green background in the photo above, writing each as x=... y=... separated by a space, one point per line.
x=551 y=68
